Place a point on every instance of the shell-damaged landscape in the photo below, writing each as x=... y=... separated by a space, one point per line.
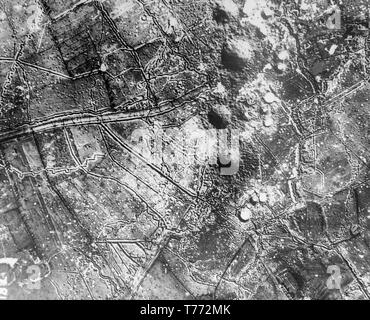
x=184 y=149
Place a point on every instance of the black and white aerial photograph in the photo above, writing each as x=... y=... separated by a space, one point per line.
x=203 y=151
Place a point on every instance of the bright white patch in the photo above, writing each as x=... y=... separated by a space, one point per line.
x=242 y=48
x=283 y=55
x=332 y=49
x=268 y=122
x=267 y=67
x=202 y=67
x=250 y=6
x=220 y=89
x=10 y=261
x=269 y=97
x=253 y=9
x=123 y=8
x=282 y=66
x=268 y=12
x=263 y=197
x=103 y=67
x=229 y=6
x=245 y=214
x=35 y=17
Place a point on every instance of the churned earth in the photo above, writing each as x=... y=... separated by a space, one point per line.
x=178 y=149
